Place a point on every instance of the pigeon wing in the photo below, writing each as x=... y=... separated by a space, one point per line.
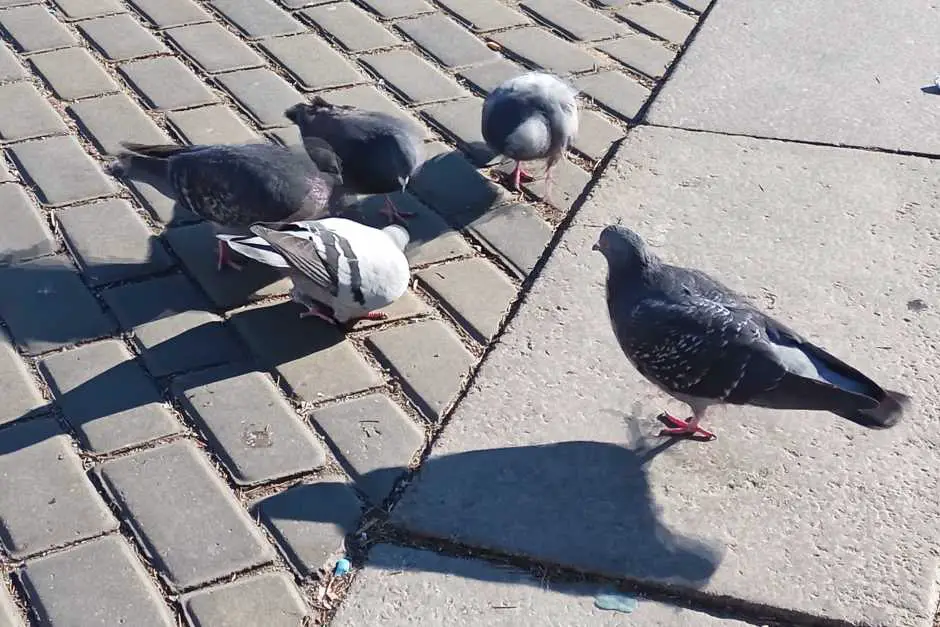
x=299 y=248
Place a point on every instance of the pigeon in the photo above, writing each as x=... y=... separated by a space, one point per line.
x=532 y=116
x=234 y=186
x=377 y=153
x=341 y=270
x=705 y=345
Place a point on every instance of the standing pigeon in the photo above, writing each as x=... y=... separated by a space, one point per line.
x=705 y=345
x=377 y=153
x=533 y=116
x=234 y=186
x=341 y=270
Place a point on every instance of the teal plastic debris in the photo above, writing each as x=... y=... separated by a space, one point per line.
x=616 y=602
x=342 y=567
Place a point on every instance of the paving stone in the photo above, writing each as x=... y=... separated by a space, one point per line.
x=458 y=286
x=310 y=521
x=263 y=94
x=25 y=114
x=83 y=9
x=368 y=97
x=98 y=583
x=538 y=47
x=166 y=83
x=408 y=306
x=213 y=48
x=286 y=136
x=375 y=437
x=170 y=325
x=270 y=599
x=595 y=135
x=489 y=76
x=393 y=9
x=249 y=424
x=120 y=37
x=429 y=358
x=21 y=397
x=310 y=356
x=299 y=4
x=452 y=186
x=34 y=29
x=411 y=76
x=47 y=501
x=659 y=19
x=46 y=306
x=640 y=53
x=574 y=18
x=614 y=91
x=444 y=40
x=10 y=68
x=61 y=170
x=257 y=18
x=10 y=615
x=167 y=13
x=195 y=245
x=24 y=234
x=568 y=181
x=351 y=27
x=157 y=198
x=403 y=586
x=460 y=119
x=215 y=124
x=111 y=120
x=184 y=515
x=312 y=62
x=111 y=242
x=73 y=73
x=694 y=5
x=516 y=234
x=484 y=15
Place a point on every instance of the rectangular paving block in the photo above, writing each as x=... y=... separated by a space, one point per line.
x=489 y=76
x=460 y=119
x=568 y=181
x=166 y=83
x=595 y=134
x=109 y=120
x=25 y=234
x=98 y=583
x=616 y=92
x=215 y=124
x=263 y=94
x=46 y=305
x=214 y=48
x=61 y=170
x=516 y=233
x=18 y=389
x=458 y=286
x=83 y=9
x=539 y=47
x=369 y=97
x=121 y=37
x=430 y=360
x=111 y=242
x=24 y=113
x=641 y=53
x=659 y=19
x=257 y=18
x=269 y=599
x=73 y=73
x=10 y=67
x=170 y=325
x=249 y=424
x=311 y=521
x=484 y=15
x=167 y=13
x=310 y=356
x=575 y=19
x=157 y=197
x=450 y=185
x=47 y=500
x=694 y=5
x=312 y=62
x=445 y=40
x=411 y=76
x=34 y=29
x=107 y=397
x=351 y=27
x=183 y=515
x=374 y=437
x=393 y=9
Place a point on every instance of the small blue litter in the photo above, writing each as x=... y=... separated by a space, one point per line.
x=342 y=567
x=616 y=602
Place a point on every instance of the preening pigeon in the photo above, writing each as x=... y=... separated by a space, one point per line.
x=377 y=153
x=234 y=186
x=341 y=270
x=533 y=116
x=705 y=345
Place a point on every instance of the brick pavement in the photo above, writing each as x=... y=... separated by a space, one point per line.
x=175 y=444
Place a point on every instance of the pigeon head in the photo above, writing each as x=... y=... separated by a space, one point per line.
x=303 y=111
x=399 y=235
x=623 y=248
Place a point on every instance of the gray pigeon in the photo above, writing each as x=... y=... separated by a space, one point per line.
x=377 y=153
x=705 y=345
x=533 y=116
x=342 y=270
x=234 y=186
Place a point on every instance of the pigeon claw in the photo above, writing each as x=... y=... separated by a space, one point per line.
x=225 y=258
x=391 y=212
x=518 y=175
x=684 y=428
x=316 y=313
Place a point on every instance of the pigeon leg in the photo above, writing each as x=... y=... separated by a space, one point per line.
x=519 y=174
x=686 y=427
x=316 y=313
x=375 y=315
x=225 y=258
x=392 y=213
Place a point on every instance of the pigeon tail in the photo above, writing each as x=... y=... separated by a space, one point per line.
x=887 y=414
x=149 y=159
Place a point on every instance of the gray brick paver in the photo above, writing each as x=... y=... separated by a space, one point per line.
x=61 y=170
x=485 y=15
x=34 y=29
x=121 y=37
x=109 y=120
x=10 y=67
x=20 y=394
x=25 y=114
x=73 y=73
x=659 y=19
x=414 y=78
x=83 y=9
x=450 y=184
x=214 y=48
x=640 y=53
x=167 y=13
x=614 y=91
x=263 y=94
x=514 y=232
x=393 y=9
x=541 y=48
x=257 y=18
x=460 y=119
x=352 y=27
x=270 y=599
x=215 y=124
x=574 y=18
x=443 y=39
x=312 y=62
x=166 y=83
x=25 y=233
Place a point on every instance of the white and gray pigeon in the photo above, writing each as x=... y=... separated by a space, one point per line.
x=342 y=270
x=529 y=117
x=235 y=186
x=376 y=153
x=705 y=345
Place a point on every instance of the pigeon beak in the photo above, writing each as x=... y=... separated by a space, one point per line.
x=596 y=246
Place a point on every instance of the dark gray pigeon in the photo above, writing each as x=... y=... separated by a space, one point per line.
x=234 y=186
x=705 y=345
x=533 y=116
x=376 y=153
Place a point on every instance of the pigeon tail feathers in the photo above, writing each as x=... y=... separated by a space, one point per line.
x=146 y=158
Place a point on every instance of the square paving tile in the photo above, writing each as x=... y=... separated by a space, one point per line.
x=24 y=113
x=73 y=73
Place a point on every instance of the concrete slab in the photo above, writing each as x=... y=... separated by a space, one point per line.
x=553 y=452
x=403 y=586
x=847 y=72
